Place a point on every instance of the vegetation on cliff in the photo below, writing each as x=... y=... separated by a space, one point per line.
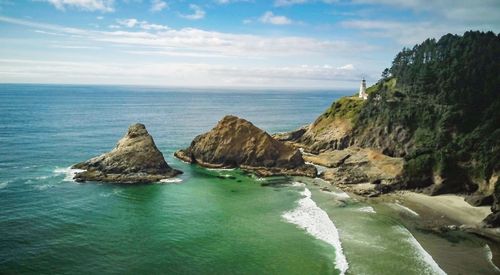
x=344 y=108
x=438 y=106
x=440 y=109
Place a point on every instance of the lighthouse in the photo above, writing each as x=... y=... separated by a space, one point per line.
x=362 y=90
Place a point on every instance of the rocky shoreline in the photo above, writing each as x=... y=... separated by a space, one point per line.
x=237 y=143
x=367 y=171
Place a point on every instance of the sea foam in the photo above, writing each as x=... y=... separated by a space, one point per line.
x=171 y=180
x=298 y=184
x=489 y=256
x=320 y=169
x=68 y=172
x=3 y=184
x=407 y=209
x=315 y=221
x=367 y=209
x=220 y=169
x=424 y=256
x=42 y=187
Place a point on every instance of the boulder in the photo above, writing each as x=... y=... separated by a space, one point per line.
x=479 y=199
x=357 y=165
x=492 y=220
x=135 y=159
x=235 y=142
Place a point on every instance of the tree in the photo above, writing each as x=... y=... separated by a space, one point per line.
x=385 y=73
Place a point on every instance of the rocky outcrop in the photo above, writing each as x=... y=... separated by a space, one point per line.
x=332 y=130
x=362 y=171
x=235 y=142
x=493 y=220
x=135 y=159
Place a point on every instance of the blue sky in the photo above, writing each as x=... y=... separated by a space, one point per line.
x=222 y=43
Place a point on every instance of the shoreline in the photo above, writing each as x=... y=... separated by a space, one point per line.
x=444 y=225
x=453 y=209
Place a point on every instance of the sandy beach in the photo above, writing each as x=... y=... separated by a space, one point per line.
x=452 y=208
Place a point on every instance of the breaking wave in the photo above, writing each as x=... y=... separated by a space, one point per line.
x=315 y=221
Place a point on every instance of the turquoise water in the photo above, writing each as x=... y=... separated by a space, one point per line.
x=208 y=222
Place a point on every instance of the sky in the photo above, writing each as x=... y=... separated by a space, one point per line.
x=301 y=44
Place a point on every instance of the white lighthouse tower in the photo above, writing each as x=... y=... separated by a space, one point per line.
x=362 y=90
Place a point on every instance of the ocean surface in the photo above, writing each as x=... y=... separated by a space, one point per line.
x=203 y=222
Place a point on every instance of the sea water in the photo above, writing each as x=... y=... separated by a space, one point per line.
x=205 y=221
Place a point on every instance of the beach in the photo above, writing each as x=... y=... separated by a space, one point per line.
x=444 y=230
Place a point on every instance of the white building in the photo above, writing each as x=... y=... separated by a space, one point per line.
x=362 y=90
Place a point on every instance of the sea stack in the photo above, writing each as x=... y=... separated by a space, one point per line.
x=135 y=159
x=235 y=142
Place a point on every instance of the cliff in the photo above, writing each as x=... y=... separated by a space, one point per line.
x=438 y=108
x=135 y=159
x=235 y=142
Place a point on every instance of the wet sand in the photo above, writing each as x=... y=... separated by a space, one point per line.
x=452 y=207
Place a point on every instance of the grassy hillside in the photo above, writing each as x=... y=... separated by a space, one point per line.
x=344 y=108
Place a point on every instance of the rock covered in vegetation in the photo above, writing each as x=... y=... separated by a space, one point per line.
x=135 y=159
x=235 y=142
x=330 y=131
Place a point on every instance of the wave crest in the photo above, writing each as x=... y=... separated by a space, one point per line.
x=315 y=221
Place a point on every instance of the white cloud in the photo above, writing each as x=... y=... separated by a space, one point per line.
x=282 y=3
x=210 y=58
x=74 y=47
x=175 y=74
x=128 y=22
x=87 y=5
x=132 y=22
x=269 y=18
x=460 y=10
x=155 y=27
x=198 y=13
x=348 y=67
x=224 y=2
x=405 y=33
x=158 y=5
x=197 y=40
x=49 y=33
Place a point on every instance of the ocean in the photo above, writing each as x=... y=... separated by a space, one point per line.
x=206 y=221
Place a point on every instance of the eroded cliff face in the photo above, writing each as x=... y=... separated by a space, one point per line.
x=424 y=137
x=490 y=193
x=135 y=159
x=235 y=142
x=332 y=130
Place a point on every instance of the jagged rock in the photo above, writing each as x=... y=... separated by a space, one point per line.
x=330 y=159
x=492 y=220
x=357 y=165
x=235 y=142
x=291 y=136
x=479 y=199
x=135 y=159
x=325 y=189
